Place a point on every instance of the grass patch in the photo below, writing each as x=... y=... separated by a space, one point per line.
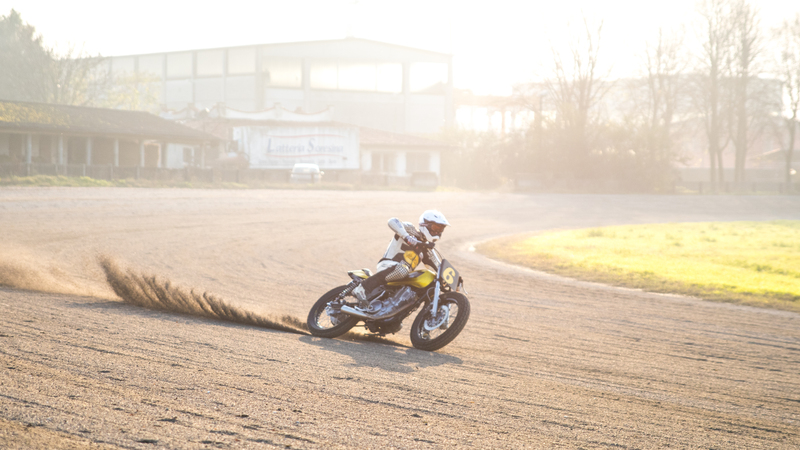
x=754 y=263
x=47 y=180
x=62 y=181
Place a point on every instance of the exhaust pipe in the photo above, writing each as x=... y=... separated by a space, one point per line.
x=354 y=312
x=362 y=315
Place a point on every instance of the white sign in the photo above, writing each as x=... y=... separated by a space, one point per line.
x=281 y=147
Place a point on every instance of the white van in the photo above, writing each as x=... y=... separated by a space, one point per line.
x=305 y=173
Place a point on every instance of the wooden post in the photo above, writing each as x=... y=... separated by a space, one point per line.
x=61 y=156
x=88 y=151
x=116 y=152
x=164 y=155
x=52 y=151
x=29 y=149
x=141 y=154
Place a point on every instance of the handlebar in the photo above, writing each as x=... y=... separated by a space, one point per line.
x=427 y=245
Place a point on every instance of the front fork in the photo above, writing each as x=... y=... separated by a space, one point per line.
x=435 y=303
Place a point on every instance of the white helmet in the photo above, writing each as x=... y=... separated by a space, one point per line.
x=431 y=224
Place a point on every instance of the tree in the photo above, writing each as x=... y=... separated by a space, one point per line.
x=76 y=78
x=27 y=64
x=787 y=68
x=746 y=48
x=477 y=160
x=574 y=89
x=715 y=54
x=665 y=64
x=36 y=73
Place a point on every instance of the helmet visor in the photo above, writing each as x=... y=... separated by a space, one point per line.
x=435 y=229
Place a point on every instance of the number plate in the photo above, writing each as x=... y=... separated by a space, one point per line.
x=449 y=274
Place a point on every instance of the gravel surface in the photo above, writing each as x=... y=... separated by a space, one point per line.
x=544 y=362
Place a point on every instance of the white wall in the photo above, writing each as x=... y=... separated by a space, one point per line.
x=366 y=160
x=400 y=164
x=175 y=156
x=400 y=158
x=436 y=162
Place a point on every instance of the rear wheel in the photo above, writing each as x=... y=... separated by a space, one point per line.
x=326 y=319
x=431 y=332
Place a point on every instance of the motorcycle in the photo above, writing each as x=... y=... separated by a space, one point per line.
x=440 y=294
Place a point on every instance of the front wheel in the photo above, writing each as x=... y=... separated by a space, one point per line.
x=431 y=332
x=325 y=318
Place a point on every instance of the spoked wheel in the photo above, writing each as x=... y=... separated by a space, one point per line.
x=431 y=332
x=326 y=320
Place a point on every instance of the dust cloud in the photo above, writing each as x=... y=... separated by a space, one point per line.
x=22 y=270
x=150 y=292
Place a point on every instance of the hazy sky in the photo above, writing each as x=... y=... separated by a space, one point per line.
x=495 y=43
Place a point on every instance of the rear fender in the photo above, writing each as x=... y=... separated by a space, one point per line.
x=362 y=274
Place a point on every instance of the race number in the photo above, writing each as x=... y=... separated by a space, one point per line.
x=449 y=274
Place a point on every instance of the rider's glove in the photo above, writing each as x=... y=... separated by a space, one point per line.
x=412 y=241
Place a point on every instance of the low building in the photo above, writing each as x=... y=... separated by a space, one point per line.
x=75 y=140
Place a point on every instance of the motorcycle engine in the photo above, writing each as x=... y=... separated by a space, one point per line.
x=403 y=297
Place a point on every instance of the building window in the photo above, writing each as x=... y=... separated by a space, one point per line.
x=390 y=78
x=324 y=76
x=363 y=77
x=179 y=65
x=357 y=77
x=123 y=65
x=241 y=61
x=428 y=78
x=283 y=72
x=152 y=65
x=209 y=63
x=418 y=162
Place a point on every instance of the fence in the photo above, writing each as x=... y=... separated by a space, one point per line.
x=755 y=187
x=532 y=183
x=211 y=175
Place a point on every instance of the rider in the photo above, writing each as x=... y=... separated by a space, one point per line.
x=393 y=266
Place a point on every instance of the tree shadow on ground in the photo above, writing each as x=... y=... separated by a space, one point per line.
x=382 y=354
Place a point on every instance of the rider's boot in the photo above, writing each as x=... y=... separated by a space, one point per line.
x=361 y=295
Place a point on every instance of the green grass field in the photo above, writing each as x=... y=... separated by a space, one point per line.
x=755 y=263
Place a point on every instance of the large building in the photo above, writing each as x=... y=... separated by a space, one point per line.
x=366 y=83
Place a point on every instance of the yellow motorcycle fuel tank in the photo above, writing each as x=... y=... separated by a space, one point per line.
x=417 y=279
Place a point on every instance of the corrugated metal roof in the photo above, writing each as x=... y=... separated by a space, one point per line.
x=29 y=117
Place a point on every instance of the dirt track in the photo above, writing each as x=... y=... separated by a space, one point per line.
x=543 y=362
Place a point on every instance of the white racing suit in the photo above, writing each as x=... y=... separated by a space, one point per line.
x=393 y=267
